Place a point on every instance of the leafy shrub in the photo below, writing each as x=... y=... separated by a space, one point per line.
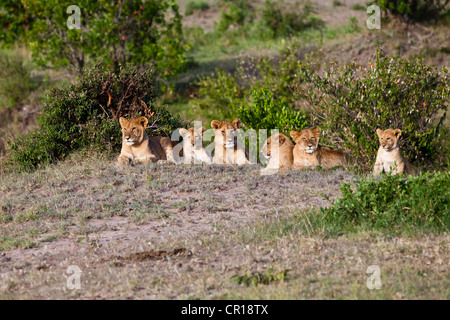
x=350 y=102
x=395 y=204
x=195 y=5
x=227 y=93
x=418 y=10
x=86 y=115
x=285 y=23
x=267 y=113
x=235 y=13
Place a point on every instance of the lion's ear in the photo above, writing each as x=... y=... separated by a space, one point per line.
x=202 y=130
x=379 y=132
x=123 y=122
x=282 y=139
x=143 y=121
x=215 y=124
x=183 y=132
x=316 y=131
x=236 y=123
x=294 y=134
x=397 y=133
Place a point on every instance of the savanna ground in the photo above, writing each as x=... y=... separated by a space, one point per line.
x=163 y=231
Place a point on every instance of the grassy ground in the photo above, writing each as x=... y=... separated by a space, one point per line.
x=219 y=227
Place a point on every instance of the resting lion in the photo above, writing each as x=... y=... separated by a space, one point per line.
x=389 y=154
x=281 y=160
x=138 y=146
x=226 y=148
x=193 y=145
x=309 y=155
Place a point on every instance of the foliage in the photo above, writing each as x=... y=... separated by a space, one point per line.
x=195 y=5
x=266 y=113
x=15 y=19
x=15 y=81
x=257 y=278
x=279 y=22
x=234 y=14
x=350 y=102
x=86 y=115
x=394 y=204
x=228 y=93
x=136 y=31
x=418 y=10
x=276 y=19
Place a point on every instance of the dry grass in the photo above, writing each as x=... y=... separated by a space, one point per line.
x=111 y=222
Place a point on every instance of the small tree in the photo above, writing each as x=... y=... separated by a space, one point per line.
x=135 y=31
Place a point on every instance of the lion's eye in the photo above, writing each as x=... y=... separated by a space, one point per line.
x=304 y=139
x=133 y=129
x=388 y=139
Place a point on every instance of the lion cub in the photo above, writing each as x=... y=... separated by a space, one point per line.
x=309 y=155
x=138 y=146
x=281 y=160
x=226 y=148
x=389 y=154
x=193 y=146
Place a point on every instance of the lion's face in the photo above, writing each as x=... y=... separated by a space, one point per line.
x=133 y=130
x=389 y=138
x=226 y=132
x=306 y=140
x=193 y=136
x=267 y=147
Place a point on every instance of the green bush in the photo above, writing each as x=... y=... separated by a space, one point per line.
x=284 y=23
x=15 y=82
x=418 y=10
x=227 y=93
x=267 y=113
x=195 y=6
x=393 y=205
x=350 y=102
x=235 y=13
x=86 y=115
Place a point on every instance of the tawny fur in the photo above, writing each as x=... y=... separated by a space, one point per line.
x=309 y=155
x=389 y=154
x=226 y=148
x=193 y=146
x=281 y=160
x=137 y=146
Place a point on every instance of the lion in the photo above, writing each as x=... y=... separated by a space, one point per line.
x=309 y=155
x=281 y=160
x=138 y=146
x=227 y=150
x=389 y=154
x=193 y=145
